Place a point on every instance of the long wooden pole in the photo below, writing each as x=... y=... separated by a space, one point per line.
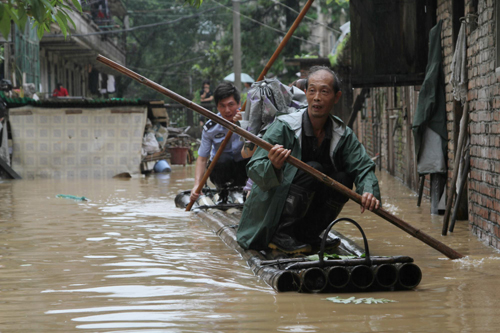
x=432 y=242
x=463 y=181
x=260 y=78
x=458 y=156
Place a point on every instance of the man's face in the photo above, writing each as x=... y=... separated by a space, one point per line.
x=228 y=108
x=320 y=94
x=206 y=87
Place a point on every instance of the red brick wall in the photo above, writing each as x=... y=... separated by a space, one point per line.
x=484 y=120
x=484 y=126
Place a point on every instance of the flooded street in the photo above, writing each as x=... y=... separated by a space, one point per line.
x=127 y=260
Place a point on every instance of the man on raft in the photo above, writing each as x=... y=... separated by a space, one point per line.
x=230 y=168
x=287 y=208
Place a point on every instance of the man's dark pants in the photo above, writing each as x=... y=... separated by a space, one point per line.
x=319 y=214
x=227 y=172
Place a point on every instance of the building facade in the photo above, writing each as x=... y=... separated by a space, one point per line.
x=70 y=60
x=384 y=124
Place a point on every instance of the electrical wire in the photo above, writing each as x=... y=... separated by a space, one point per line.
x=265 y=25
x=167 y=66
x=311 y=19
x=152 y=11
x=152 y=25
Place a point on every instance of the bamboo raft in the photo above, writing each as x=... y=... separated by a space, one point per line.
x=350 y=269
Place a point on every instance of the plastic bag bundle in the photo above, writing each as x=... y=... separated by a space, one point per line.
x=267 y=99
x=150 y=144
x=161 y=135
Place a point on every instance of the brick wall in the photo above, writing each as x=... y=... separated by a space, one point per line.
x=386 y=121
x=484 y=125
x=397 y=155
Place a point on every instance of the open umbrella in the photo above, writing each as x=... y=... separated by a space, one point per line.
x=244 y=78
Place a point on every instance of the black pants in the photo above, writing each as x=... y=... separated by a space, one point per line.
x=309 y=183
x=317 y=217
x=229 y=173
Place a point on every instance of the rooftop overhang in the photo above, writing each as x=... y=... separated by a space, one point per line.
x=390 y=41
x=83 y=49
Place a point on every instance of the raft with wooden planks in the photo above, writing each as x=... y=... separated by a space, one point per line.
x=350 y=268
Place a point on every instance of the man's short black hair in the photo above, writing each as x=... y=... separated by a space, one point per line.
x=205 y=82
x=336 y=81
x=225 y=90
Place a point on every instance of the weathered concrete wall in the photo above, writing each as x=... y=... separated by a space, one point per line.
x=77 y=142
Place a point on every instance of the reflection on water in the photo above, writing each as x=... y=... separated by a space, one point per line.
x=128 y=261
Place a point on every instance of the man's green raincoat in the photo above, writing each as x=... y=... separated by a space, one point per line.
x=262 y=210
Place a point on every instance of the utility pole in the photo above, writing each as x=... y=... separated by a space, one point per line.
x=236 y=44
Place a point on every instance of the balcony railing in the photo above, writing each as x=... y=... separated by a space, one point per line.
x=97 y=12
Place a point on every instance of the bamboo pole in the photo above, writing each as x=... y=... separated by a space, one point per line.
x=458 y=156
x=463 y=181
x=260 y=78
x=301 y=263
x=210 y=168
x=432 y=242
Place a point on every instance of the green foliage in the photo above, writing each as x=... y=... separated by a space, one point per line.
x=259 y=42
x=338 y=2
x=354 y=300
x=196 y=3
x=217 y=63
x=243 y=96
x=43 y=12
x=196 y=97
x=306 y=56
x=335 y=9
x=168 y=54
x=336 y=59
x=182 y=55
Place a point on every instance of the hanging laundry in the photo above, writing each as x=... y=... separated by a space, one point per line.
x=111 y=84
x=458 y=77
x=429 y=121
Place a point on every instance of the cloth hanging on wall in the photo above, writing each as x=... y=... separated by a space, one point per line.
x=431 y=112
x=458 y=77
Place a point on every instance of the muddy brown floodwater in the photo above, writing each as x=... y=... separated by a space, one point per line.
x=129 y=261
